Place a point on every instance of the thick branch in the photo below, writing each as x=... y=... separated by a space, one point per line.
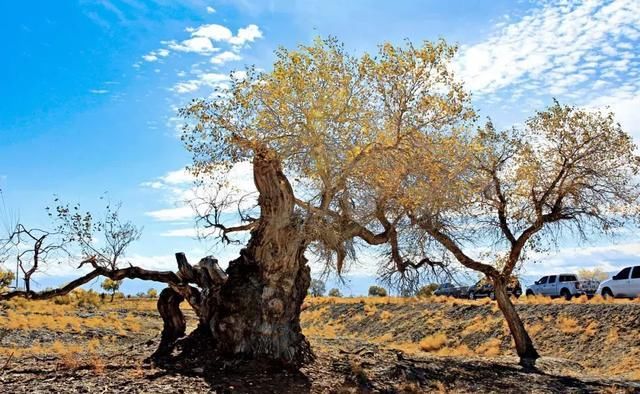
x=453 y=247
x=129 y=273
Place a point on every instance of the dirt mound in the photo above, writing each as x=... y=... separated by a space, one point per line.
x=591 y=339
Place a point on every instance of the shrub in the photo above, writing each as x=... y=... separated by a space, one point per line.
x=87 y=299
x=335 y=293
x=377 y=291
x=62 y=300
x=6 y=277
x=427 y=291
x=152 y=293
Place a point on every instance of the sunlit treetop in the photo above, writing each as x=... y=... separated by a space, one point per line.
x=322 y=110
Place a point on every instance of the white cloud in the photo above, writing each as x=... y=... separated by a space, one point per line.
x=210 y=10
x=626 y=107
x=212 y=32
x=610 y=258
x=172 y=214
x=180 y=189
x=246 y=34
x=181 y=232
x=186 y=86
x=203 y=37
x=211 y=80
x=178 y=177
x=99 y=91
x=550 y=44
x=224 y=57
x=201 y=45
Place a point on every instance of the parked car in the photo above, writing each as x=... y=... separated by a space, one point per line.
x=625 y=283
x=561 y=285
x=450 y=290
x=484 y=288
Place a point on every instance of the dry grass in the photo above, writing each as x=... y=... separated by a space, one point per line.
x=591 y=329
x=612 y=336
x=385 y=315
x=433 y=342
x=478 y=324
x=370 y=309
x=490 y=348
x=97 y=364
x=568 y=325
x=461 y=350
x=535 y=329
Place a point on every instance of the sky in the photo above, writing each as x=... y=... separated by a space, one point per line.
x=89 y=92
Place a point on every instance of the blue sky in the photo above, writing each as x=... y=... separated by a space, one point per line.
x=89 y=89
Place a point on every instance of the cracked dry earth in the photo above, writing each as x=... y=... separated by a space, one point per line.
x=344 y=364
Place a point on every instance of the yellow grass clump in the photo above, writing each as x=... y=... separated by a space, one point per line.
x=385 y=315
x=612 y=336
x=568 y=325
x=370 y=309
x=478 y=324
x=490 y=348
x=591 y=329
x=457 y=351
x=534 y=329
x=433 y=342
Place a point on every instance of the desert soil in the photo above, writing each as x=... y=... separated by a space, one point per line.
x=367 y=346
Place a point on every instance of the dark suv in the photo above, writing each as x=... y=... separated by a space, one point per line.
x=484 y=288
x=449 y=290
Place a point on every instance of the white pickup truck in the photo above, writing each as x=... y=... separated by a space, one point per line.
x=562 y=285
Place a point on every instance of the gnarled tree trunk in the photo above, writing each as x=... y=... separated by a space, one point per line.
x=524 y=345
x=253 y=308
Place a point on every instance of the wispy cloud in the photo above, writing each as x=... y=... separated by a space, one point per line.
x=561 y=49
x=98 y=91
x=224 y=57
x=210 y=10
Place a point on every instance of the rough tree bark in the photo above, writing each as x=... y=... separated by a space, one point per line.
x=253 y=309
x=258 y=312
x=524 y=345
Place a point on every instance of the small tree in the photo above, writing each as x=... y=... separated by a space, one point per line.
x=6 y=277
x=317 y=288
x=427 y=291
x=335 y=293
x=377 y=291
x=566 y=170
x=111 y=286
x=593 y=274
x=152 y=293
